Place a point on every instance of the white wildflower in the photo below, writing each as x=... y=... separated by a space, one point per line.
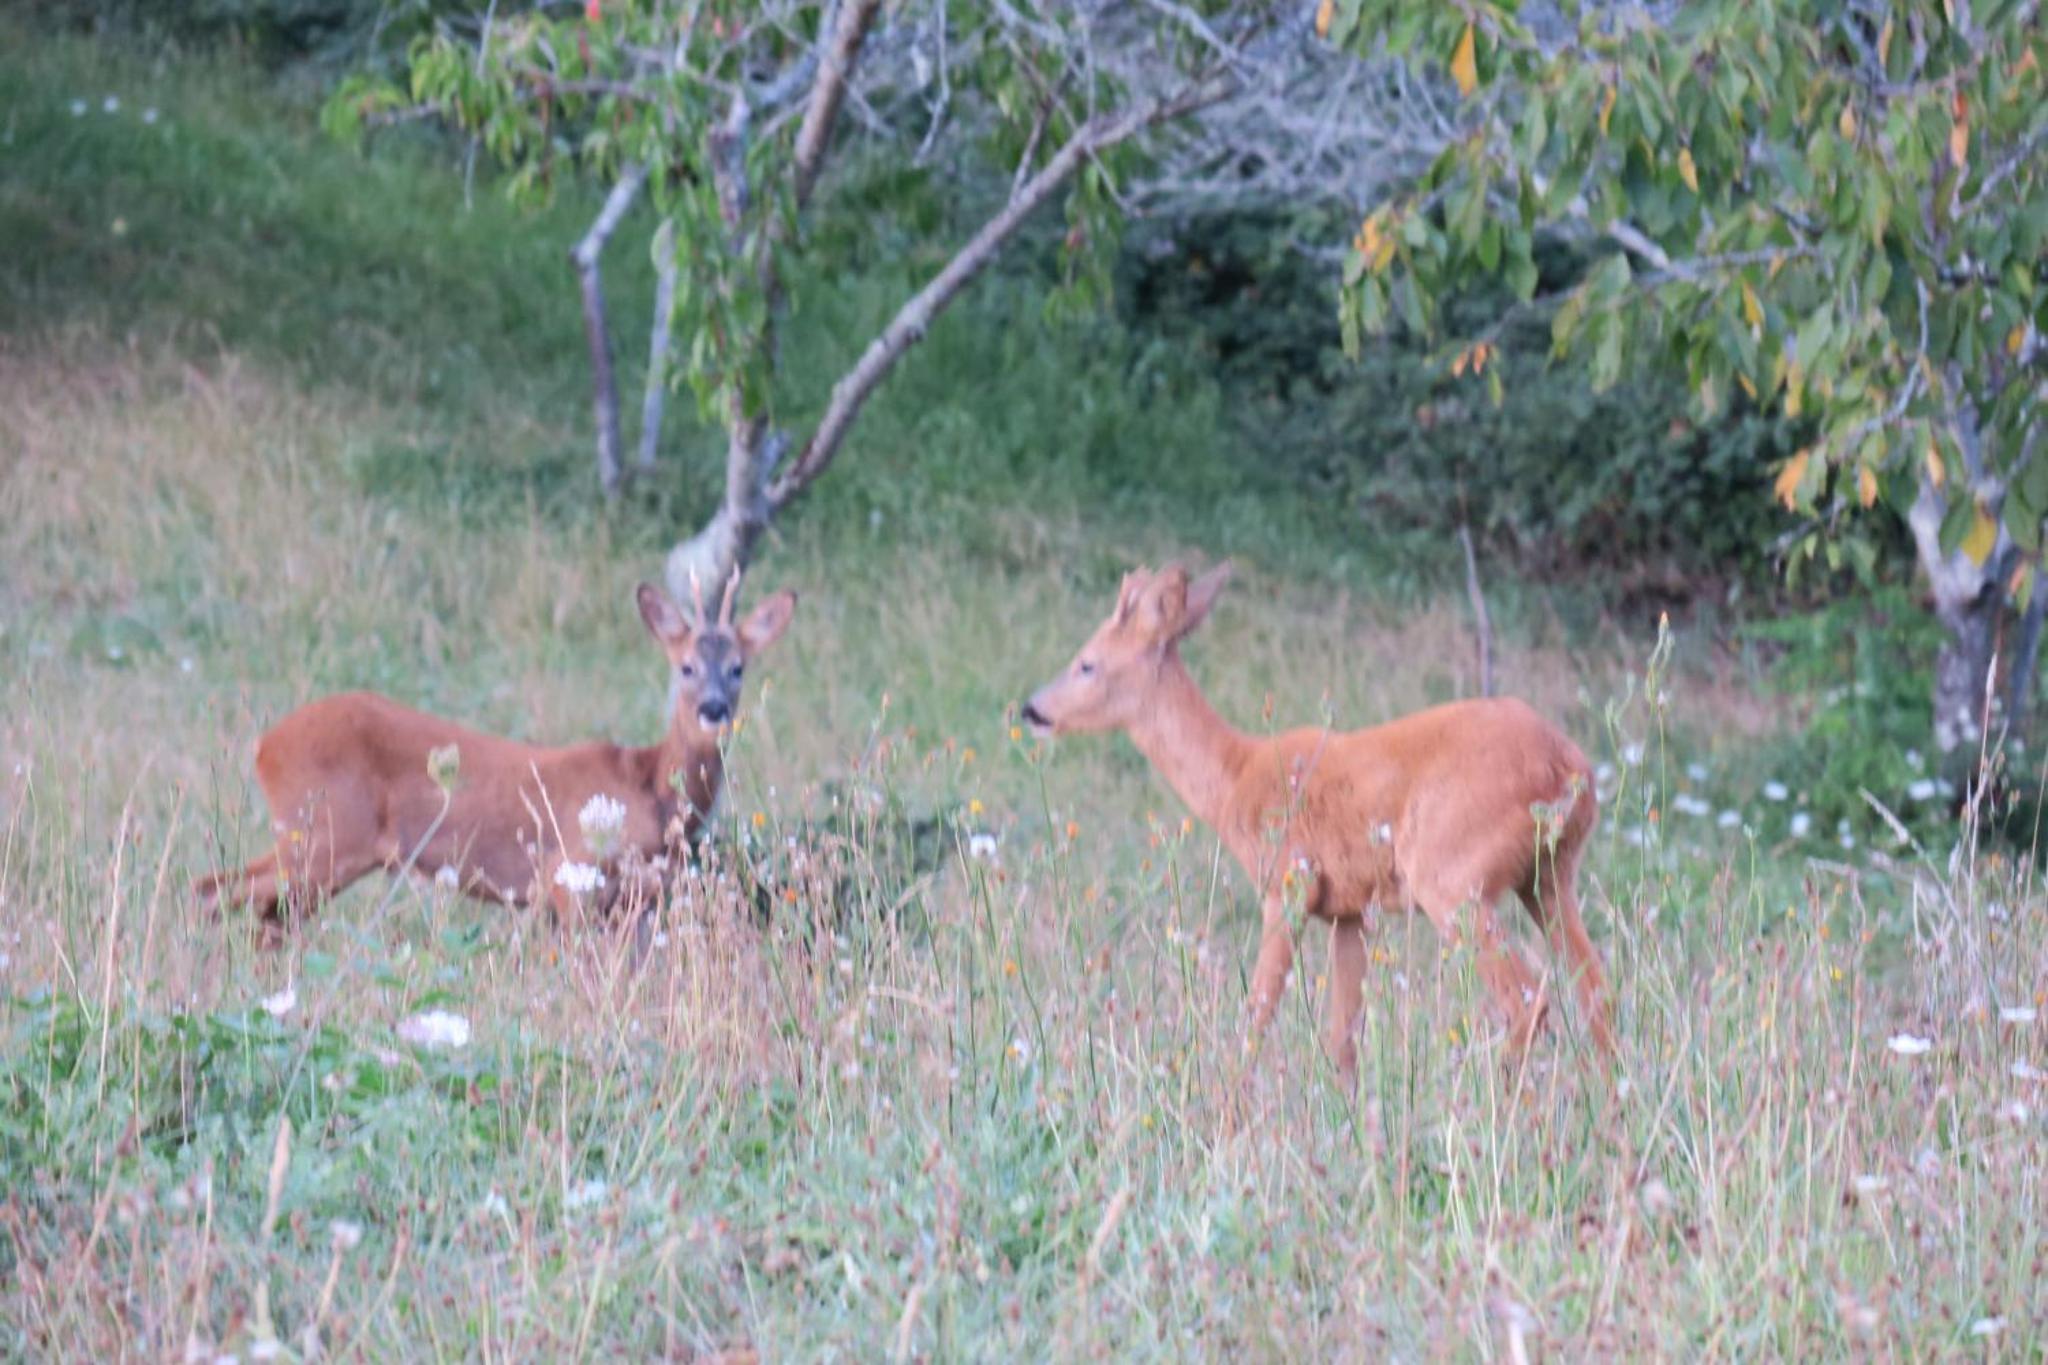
x=2027 y=1071
x=602 y=819
x=1697 y=772
x=149 y=115
x=578 y=879
x=1604 y=774
x=1913 y=759
x=1846 y=840
x=1801 y=823
x=1868 y=1185
x=1908 y=1045
x=2012 y=1014
x=185 y=665
x=78 y=108
x=981 y=846
x=2015 y=1111
x=1685 y=803
x=584 y=1195
x=1020 y=1048
x=266 y=1348
x=111 y=104
x=1922 y=789
x=1632 y=755
x=1729 y=819
x=448 y=877
x=1776 y=791
x=1987 y=1327
x=344 y=1234
x=283 y=1003
x=435 y=1029
x=494 y=1205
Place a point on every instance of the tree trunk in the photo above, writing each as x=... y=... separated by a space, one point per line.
x=1969 y=600
x=2026 y=657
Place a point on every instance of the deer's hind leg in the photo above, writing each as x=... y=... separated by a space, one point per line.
x=1347 y=993
x=1552 y=899
x=1516 y=990
x=331 y=842
x=254 y=886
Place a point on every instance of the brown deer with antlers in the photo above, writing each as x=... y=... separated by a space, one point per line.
x=1445 y=811
x=357 y=782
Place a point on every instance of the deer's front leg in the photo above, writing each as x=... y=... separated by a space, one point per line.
x=1347 y=993
x=1269 y=976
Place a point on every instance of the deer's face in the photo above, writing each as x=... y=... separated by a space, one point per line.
x=708 y=659
x=1109 y=683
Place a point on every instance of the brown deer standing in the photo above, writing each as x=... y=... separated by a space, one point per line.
x=1444 y=811
x=349 y=788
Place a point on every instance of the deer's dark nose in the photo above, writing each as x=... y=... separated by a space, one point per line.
x=714 y=713
x=1035 y=717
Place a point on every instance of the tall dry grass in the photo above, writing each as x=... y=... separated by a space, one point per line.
x=982 y=1105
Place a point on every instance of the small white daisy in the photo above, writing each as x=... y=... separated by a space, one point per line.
x=1801 y=824
x=344 y=1235
x=283 y=1003
x=1908 y=1045
x=448 y=877
x=2016 y=1014
x=111 y=104
x=579 y=879
x=78 y=108
x=1987 y=1327
x=1922 y=789
x=1776 y=791
x=602 y=818
x=981 y=846
x=435 y=1029
x=149 y=115
x=1728 y=819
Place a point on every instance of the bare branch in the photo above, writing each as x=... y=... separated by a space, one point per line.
x=854 y=18
x=656 y=393
x=911 y=322
x=1482 y=623
x=604 y=389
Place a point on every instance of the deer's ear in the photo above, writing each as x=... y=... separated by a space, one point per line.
x=766 y=622
x=1127 y=595
x=1164 y=602
x=664 y=618
x=1202 y=595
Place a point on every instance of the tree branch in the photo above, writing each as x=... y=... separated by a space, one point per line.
x=655 y=396
x=604 y=389
x=911 y=322
x=854 y=19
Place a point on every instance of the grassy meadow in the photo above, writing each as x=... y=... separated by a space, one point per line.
x=276 y=420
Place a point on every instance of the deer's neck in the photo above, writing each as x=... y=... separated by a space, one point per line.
x=686 y=769
x=1198 y=752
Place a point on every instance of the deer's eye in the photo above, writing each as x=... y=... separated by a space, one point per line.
x=1086 y=668
x=689 y=670
x=736 y=670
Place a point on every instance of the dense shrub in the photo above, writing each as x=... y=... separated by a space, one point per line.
x=1558 y=478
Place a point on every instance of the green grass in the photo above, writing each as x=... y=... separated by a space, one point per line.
x=990 y=1109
